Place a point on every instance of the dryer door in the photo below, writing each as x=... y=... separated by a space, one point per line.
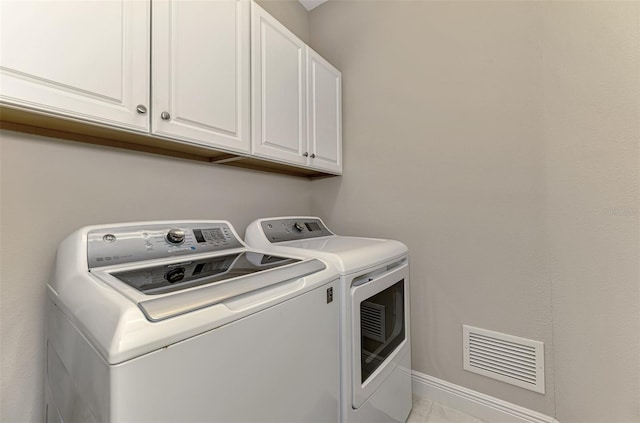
x=379 y=316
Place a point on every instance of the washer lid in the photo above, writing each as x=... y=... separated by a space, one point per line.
x=166 y=306
x=169 y=289
x=164 y=278
x=122 y=322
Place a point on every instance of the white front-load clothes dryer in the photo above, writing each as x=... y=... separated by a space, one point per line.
x=179 y=321
x=374 y=312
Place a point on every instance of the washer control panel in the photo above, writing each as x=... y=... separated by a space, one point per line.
x=126 y=244
x=291 y=229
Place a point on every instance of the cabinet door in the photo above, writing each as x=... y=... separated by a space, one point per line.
x=79 y=59
x=278 y=70
x=201 y=72
x=325 y=114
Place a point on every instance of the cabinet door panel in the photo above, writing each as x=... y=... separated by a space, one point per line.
x=87 y=60
x=279 y=97
x=325 y=114
x=201 y=71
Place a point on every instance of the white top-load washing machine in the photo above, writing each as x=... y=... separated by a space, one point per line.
x=180 y=322
x=374 y=299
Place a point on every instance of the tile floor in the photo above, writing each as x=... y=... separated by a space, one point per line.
x=427 y=411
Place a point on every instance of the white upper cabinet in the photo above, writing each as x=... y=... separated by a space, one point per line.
x=219 y=74
x=79 y=59
x=296 y=99
x=201 y=78
x=278 y=69
x=325 y=114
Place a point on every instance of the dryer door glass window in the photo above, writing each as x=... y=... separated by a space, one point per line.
x=382 y=327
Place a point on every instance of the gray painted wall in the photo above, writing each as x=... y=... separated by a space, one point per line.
x=591 y=122
x=500 y=142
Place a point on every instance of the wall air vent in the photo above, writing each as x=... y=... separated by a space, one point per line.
x=507 y=358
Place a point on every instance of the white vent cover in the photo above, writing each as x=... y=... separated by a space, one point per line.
x=507 y=358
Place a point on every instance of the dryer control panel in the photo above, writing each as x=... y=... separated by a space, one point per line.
x=107 y=246
x=291 y=229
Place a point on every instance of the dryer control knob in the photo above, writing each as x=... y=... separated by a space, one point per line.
x=298 y=227
x=175 y=236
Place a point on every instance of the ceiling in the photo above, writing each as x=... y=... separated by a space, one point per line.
x=311 y=4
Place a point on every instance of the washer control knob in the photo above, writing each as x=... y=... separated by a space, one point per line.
x=175 y=275
x=298 y=227
x=175 y=236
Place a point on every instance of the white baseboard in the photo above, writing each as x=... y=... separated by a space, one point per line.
x=481 y=406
